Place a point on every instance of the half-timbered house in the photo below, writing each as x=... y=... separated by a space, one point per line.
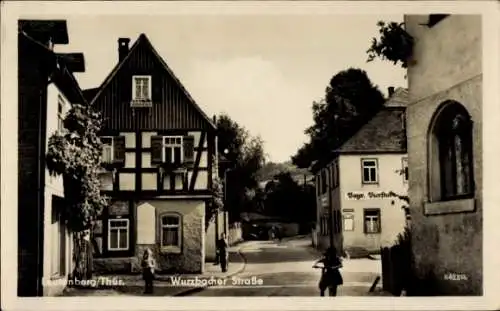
x=160 y=151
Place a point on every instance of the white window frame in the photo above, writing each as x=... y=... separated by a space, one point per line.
x=373 y=219
x=164 y=145
x=134 y=88
x=348 y=215
x=171 y=248
x=404 y=164
x=108 y=146
x=375 y=167
x=118 y=229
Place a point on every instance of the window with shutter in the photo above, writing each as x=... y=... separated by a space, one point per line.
x=156 y=149
x=119 y=149
x=189 y=150
x=172 y=149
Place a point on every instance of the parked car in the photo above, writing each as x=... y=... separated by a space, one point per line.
x=255 y=231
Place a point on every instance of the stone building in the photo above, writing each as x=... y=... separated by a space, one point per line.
x=444 y=125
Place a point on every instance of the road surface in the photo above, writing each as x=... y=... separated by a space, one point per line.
x=285 y=269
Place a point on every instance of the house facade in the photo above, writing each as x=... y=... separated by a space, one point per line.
x=47 y=89
x=358 y=204
x=445 y=152
x=160 y=155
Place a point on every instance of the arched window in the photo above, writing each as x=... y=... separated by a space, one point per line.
x=450 y=153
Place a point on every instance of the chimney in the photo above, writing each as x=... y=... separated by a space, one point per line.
x=122 y=48
x=391 y=90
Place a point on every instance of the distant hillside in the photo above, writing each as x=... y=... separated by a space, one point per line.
x=272 y=169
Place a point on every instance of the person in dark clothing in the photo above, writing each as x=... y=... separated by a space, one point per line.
x=330 y=274
x=148 y=269
x=223 y=254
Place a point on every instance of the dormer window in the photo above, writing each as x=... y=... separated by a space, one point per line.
x=141 y=91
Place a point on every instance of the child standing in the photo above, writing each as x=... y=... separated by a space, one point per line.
x=148 y=270
x=330 y=276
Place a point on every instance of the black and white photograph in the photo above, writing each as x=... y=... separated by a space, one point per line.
x=190 y=153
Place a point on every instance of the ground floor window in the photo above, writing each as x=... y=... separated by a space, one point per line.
x=118 y=234
x=348 y=218
x=171 y=231
x=372 y=220
x=58 y=236
x=325 y=224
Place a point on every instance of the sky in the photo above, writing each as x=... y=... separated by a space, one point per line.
x=264 y=71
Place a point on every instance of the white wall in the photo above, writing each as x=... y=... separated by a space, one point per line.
x=53 y=186
x=448 y=53
x=391 y=214
x=448 y=66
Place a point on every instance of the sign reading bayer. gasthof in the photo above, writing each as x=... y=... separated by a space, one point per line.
x=356 y=195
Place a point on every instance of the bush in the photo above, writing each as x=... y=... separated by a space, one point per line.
x=397 y=264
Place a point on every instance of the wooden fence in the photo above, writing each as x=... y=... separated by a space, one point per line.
x=396 y=268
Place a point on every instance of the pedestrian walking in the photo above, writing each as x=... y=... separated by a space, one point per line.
x=222 y=246
x=148 y=270
x=330 y=274
x=272 y=233
x=279 y=234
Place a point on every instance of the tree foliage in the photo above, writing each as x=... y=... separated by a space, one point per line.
x=286 y=199
x=244 y=158
x=216 y=203
x=350 y=101
x=394 y=44
x=231 y=137
x=75 y=154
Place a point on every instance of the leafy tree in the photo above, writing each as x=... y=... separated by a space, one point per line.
x=216 y=204
x=244 y=159
x=231 y=137
x=350 y=101
x=75 y=154
x=394 y=44
x=286 y=199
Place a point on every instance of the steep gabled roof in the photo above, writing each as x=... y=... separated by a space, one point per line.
x=144 y=40
x=384 y=133
x=90 y=94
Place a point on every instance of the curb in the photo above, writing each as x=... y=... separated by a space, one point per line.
x=194 y=290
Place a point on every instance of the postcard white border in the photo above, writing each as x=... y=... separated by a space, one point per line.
x=11 y=11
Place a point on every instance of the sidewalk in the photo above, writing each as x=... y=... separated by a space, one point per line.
x=185 y=284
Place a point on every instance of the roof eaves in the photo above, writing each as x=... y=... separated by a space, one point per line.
x=37 y=43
